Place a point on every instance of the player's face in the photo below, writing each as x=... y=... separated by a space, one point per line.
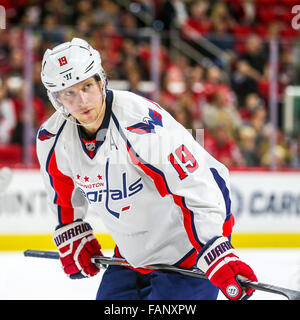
x=83 y=100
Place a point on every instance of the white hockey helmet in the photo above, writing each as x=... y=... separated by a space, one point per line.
x=70 y=63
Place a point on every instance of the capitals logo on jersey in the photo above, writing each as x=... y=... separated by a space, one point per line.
x=45 y=135
x=148 y=124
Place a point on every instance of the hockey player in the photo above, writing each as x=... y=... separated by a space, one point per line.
x=161 y=196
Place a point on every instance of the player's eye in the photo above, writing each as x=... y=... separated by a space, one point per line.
x=69 y=93
x=87 y=86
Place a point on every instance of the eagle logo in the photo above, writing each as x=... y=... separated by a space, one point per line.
x=148 y=124
x=45 y=135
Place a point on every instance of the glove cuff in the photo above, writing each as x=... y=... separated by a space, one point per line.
x=213 y=251
x=71 y=232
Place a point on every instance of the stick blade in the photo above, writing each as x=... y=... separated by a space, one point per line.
x=288 y=293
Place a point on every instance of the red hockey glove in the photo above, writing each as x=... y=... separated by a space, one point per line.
x=221 y=265
x=77 y=244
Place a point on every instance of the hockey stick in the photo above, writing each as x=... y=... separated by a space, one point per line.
x=102 y=261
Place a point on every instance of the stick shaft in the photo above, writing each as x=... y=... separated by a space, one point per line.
x=101 y=261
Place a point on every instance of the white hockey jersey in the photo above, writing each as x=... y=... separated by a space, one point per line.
x=160 y=195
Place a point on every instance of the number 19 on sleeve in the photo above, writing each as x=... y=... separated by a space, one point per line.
x=187 y=162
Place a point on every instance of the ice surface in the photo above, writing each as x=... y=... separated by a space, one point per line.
x=43 y=279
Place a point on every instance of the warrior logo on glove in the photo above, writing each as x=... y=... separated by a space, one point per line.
x=223 y=268
x=77 y=244
x=72 y=232
x=217 y=251
x=232 y=291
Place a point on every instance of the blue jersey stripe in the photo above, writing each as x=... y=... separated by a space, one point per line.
x=225 y=192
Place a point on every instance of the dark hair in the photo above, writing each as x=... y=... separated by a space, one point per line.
x=97 y=77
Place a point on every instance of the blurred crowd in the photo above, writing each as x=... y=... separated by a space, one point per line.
x=227 y=98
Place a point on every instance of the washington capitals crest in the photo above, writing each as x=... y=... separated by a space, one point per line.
x=45 y=135
x=148 y=124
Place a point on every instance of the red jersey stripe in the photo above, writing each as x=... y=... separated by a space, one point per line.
x=64 y=187
x=227 y=226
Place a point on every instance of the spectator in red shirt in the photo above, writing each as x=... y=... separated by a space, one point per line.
x=198 y=23
x=214 y=82
x=223 y=147
x=252 y=101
